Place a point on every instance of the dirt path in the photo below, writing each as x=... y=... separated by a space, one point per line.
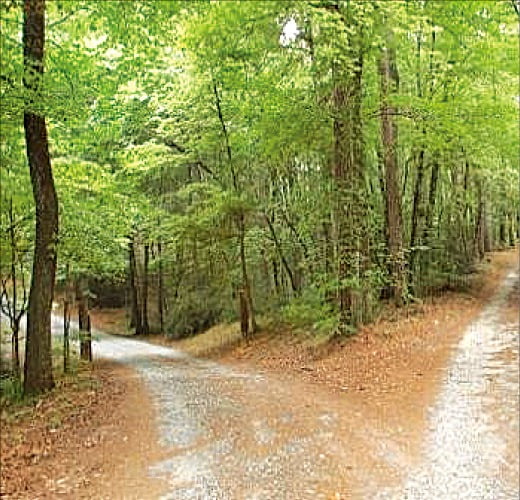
x=236 y=434
x=471 y=446
x=232 y=432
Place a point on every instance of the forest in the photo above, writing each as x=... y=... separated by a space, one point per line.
x=306 y=162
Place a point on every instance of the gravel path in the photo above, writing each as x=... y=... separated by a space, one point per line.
x=471 y=449
x=249 y=435
x=232 y=434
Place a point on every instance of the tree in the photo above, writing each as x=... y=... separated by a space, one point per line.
x=305 y=159
x=14 y=305
x=38 y=357
x=389 y=86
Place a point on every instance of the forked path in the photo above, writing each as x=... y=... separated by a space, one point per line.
x=235 y=434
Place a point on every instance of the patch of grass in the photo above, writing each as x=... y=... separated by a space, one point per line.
x=11 y=390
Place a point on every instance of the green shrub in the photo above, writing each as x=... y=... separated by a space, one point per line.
x=11 y=389
x=197 y=311
x=310 y=310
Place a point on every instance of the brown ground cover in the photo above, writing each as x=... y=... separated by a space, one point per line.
x=385 y=356
x=91 y=437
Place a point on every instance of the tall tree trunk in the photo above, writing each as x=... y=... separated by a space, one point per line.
x=280 y=251
x=246 y=285
x=38 y=355
x=276 y=281
x=511 y=229
x=432 y=195
x=66 y=330
x=347 y=172
x=417 y=194
x=15 y=315
x=393 y=211
x=502 y=235
x=66 y=321
x=247 y=310
x=487 y=227
x=416 y=211
x=478 y=241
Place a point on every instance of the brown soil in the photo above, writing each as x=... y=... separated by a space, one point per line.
x=91 y=437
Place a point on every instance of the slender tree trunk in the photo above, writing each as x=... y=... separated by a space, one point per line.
x=432 y=195
x=135 y=316
x=393 y=210
x=478 y=240
x=38 y=355
x=66 y=321
x=488 y=238
x=16 y=350
x=249 y=311
x=15 y=315
x=160 y=292
x=85 y=339
x=144 y=314
x=246 y=290
x=415 y=224
x=275 y=277
x=503 y=229
x=66 y=330
x=279 y=249
x=511 y=229
x=88 y=346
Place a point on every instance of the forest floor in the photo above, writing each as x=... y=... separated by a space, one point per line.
x=91 y=437
x=280 y=416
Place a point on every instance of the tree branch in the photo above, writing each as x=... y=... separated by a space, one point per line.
x=65 y=18
x=179 y=147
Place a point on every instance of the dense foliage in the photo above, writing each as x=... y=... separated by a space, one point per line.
x=299 y=159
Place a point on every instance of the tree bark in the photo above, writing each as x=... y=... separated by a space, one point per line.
x=478 y=240
x=393 y=211
x=488 y=240
x=503 y=230
x=38 y=355
x=511 y=230
x=135 y=316
x=15 y=316
x=66 y=330
x=280 y=251
x=249 y=311
x=66 y=321
x=416 y=210
x=347 y=173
